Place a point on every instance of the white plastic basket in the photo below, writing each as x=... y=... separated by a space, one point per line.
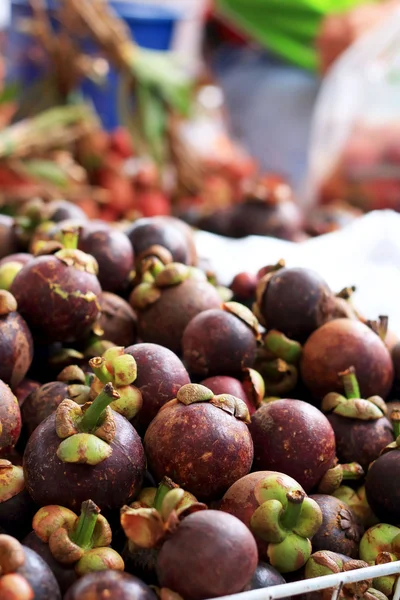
x=322 y=583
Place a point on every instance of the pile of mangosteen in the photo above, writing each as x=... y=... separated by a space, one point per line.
x=163 y=436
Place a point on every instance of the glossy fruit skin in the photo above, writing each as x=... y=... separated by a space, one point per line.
x=222 y=384
x=120 y=586
x=118 y=320
x=360 y=441
x=16 y=514
x=61 y=210
x=42 y=403
x=51 y=296
x=16 y=348
x=23 y=258
x=264 y=576
x=51 y=481
x=148 y=232
x=113 y=252
x=338 y=345
x=39 y=576
x=160 y=374
x=295 y=438
x=283 y=220
x=296 y=302
x=64 y=574
x=203 y=448
x=382 y=488
x=10 y=418
x=165 y=321
x=187 y=232
x=211 y=554
x=218 y=343
x=8 y=240
x=340 y=531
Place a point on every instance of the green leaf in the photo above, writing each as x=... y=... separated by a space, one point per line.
x=47 y=170
x=153 y=121
x=10 y=93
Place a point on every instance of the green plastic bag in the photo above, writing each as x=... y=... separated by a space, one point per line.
x=287 y=27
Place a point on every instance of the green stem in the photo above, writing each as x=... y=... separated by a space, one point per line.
x=292 y=513
x=83 y=534
x=92 y=416
x=352 y=471
x=98 y=366
x=165 y=486
x=350 y=383
x=383 y=326
x=395 y=418
x=69 y=238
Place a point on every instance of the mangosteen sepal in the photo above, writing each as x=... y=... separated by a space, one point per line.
x=194 y=393
x=333 y=478
x=12 y=480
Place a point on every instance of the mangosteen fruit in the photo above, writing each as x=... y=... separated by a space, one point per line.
x=10 y=418
x=16 y=506
x=379 y=545
x=16 y=343
x=118 y=321
x=264 y=576
x=119 y=586
x=149 y=233
x=8 y=239
x=250 y=389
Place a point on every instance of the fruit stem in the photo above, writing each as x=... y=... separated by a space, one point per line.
x=69 y=238
x=164 y=487
x=291 y=515
x=91 y=417
x=98 y=366
x=395 y=418
x=350 y=383
x=83 y=534
x=383 y=326
x=352 y=471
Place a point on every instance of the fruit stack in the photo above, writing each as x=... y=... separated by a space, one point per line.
x=164 y=436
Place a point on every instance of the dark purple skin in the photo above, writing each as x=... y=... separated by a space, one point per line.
x=295 y=438
x=10 y=418
x=383 y=493
x=114 y=254
x=120 y=586
x=360 y=441
x=39 y=576
x=338 y=345
x=187 y=232
x=217 y=342
x=53 y=316
x=141 y=563
x=148 y=232
x=42 y=403
x=396 y=359
x=8 y=240
x=203 y=448
x=51 y=481
x=340 y=530
x=282 y=220
x=222 y=384
x=297 y=302
x=264 y=576
x=64 y=574
x=24 y=389
x=61 y=210
x=118 y=320
x=165 y=321
x=211 y=554
x=16 y=514
x=160 y=374
x=23 y=258
x=16 y=348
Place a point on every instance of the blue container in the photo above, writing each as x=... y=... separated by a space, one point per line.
x=151 y=26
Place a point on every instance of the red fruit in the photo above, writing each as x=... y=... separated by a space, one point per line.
x=121 y=142
x=122 y=195
x=244 y=286
x=152 y=203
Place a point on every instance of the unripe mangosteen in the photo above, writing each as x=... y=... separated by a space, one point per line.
x=75 y=448
x=24 y=573
x=280 y=515
x=16 y=506
x=293 y=437
x=117 y=320
x=167 y=304
x=57 y=294
x=295 y=302
x=113 y=252
x=335 y=347
x=200 y=440
x=61 y=210
x=360 y=426
x=16 y=343
x=160 y=375
x=119 y=586
x=44 y=401
x=221 y=341
x=340 y=531
x=10 y=418
x=264 y=576
x=8 y=239
x=250 y=389
x=203 y=539
x=149 y=232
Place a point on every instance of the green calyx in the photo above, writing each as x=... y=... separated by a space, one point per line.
x=379 y=545
x=282 y=347
x=8 y=303
x=277 y=361
x=12 y=480
x=245 y=315
x=146 y=523
x=8 y=272
x=86 y=431
x=194 y=393
x=351 y=405
x=120 y=369
x=357 y=501
x=329 y=563
x=69 y=238
x=334 y=477
x=254 y=386
x=286 y=519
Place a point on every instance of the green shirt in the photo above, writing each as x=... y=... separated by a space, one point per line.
x=287 y=27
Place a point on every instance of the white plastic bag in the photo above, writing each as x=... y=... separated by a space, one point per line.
x=355 y=139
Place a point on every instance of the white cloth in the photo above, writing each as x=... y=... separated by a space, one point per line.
x=4 y=13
